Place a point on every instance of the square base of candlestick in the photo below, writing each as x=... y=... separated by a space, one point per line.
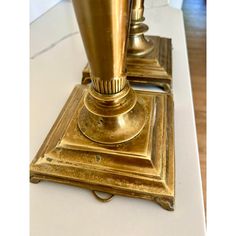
x=141 y=168
x=154 y=68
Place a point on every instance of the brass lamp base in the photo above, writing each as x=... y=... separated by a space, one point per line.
x=142 y=167
x=154 y=68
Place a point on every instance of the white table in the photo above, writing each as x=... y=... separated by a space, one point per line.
x=57 y=60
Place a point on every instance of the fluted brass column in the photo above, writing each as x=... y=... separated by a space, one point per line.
x=138 y=44
x=112 y=112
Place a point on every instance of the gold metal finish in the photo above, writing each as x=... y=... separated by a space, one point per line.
x=104 y=29
x=142 y=167
x=109 y=137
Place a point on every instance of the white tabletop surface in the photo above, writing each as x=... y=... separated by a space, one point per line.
x=57 y=60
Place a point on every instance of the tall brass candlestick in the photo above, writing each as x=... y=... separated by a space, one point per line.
x=138 y=44
x=109 y=137
x=149 y=57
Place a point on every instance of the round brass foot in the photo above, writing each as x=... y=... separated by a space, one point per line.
x=138 y=44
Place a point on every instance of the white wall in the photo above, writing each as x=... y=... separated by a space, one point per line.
x=159 y=3
x=176 y=3
x=39 y=7
x=155 y=3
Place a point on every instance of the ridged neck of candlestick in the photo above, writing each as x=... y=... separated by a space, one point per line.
x=112 y=86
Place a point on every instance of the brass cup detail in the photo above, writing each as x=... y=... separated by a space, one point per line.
x=111 y=119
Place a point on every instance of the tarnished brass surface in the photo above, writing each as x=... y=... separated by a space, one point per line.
x=142 y=167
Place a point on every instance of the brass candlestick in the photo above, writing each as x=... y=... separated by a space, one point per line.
x=108 y=137
x=149 y=57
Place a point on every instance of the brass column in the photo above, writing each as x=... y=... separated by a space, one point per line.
x=104 y=30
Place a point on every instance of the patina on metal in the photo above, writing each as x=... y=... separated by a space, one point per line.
x=108 y=137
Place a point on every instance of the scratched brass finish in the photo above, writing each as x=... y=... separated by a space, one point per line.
x=141 y=168
x=108 y=137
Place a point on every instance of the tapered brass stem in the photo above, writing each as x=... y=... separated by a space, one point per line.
x=137 y=10
x=112 y=112
x=104 y=28
x=138 y=45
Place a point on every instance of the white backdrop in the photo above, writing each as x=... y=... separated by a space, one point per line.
x=39 y=7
